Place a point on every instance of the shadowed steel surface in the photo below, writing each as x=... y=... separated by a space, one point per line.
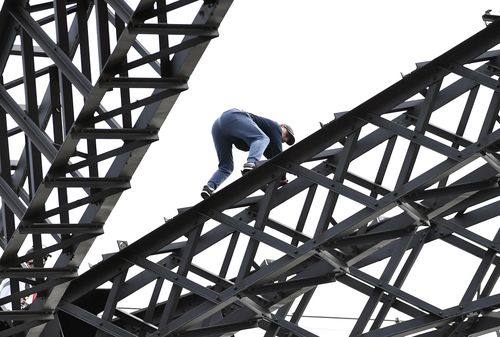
x=98 y=82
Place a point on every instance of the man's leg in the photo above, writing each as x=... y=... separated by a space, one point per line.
x=224 y=153
x=243 y=127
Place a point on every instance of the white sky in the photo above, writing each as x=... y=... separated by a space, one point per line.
x=293 y=61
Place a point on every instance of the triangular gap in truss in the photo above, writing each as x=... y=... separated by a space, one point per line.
x=487 y=204
x=320 y=164
x=451 y=78
x=363 y=178
x=376 y=269
x=487 y=227
x=346 y=206
x=265 y=255
x=12 y=77
x=283 y=220
x=430 y=275
x=418 y=97
x=425 y=161
x=475 y=66
x=335 y=320
x=445 y=121
x=496 y=287
x=133 y=303
x=368 y=128
x=221 y=248
x=478 y=114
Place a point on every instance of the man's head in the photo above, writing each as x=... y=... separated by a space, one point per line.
x=287 y=135
x=30 y=263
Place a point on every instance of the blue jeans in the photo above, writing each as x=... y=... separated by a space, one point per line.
x=233 y=126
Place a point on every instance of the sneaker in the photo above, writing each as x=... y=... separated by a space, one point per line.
x=247 y=167
x=207 y=191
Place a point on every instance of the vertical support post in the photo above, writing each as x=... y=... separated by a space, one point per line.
x=165 y=64
x=101 y=12
x=63 y=42
x=57 y=125
x=35 y=158
x=124 y=92
x=5 y=173
x=83 y=35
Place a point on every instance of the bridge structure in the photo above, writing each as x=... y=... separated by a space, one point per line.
x=253 y=255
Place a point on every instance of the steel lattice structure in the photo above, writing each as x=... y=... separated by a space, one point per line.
x=234 y=262
x=92 y=107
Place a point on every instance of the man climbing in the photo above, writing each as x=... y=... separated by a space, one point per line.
x=5 y=287
x=247 y=132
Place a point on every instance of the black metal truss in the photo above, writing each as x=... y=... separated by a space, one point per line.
x=69 y=148
x=230 y=263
